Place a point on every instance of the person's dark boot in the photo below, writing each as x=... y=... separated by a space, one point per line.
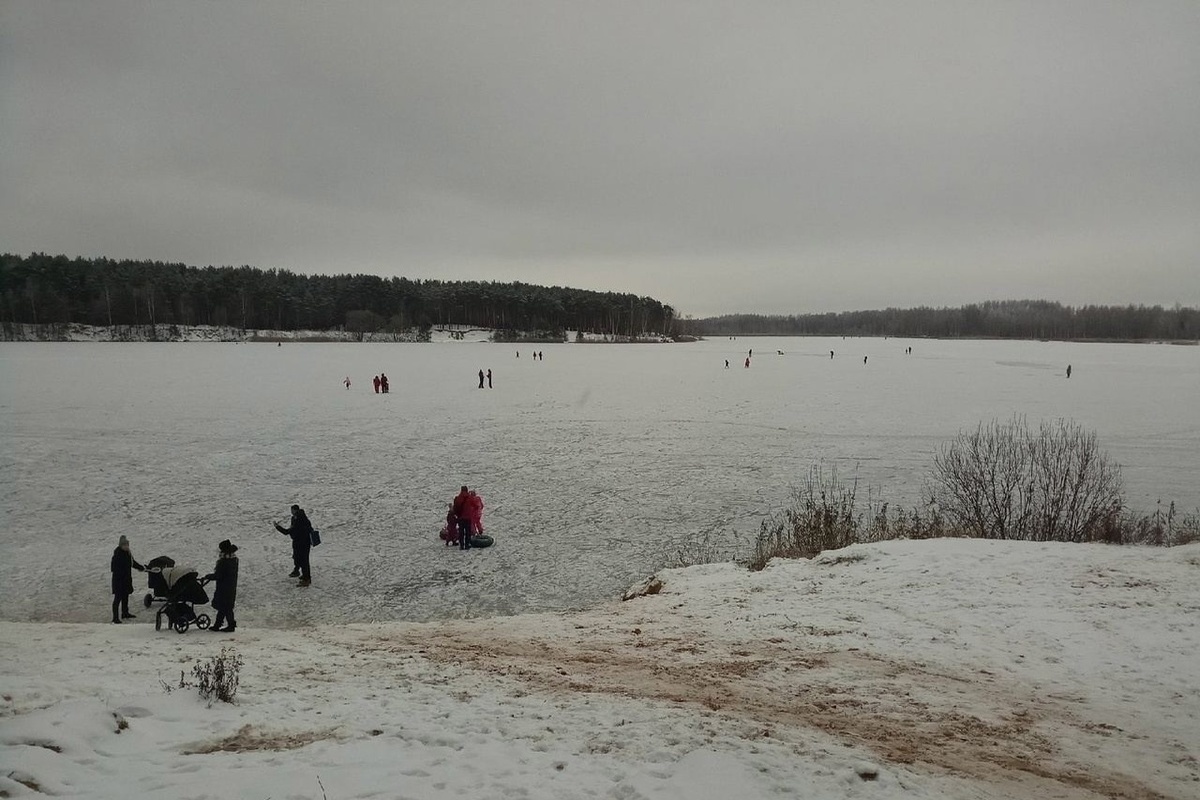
x=127 y=615
x=294 y=573
x=305 y=582
x=215 y=629
x=116 y=621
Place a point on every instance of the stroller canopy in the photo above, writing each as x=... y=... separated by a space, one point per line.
x=173 y=575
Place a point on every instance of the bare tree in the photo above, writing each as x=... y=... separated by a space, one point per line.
x=1004 y=481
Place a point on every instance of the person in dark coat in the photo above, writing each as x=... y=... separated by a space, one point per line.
x=225 y=595
x=123 y=565
x=300 y=530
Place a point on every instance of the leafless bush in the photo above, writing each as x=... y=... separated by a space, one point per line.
x=215 y=679
x=821 y=516
x=1163 y=528
x=1004 y=481
x=714 y=546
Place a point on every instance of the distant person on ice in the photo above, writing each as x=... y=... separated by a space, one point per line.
x=224 y=596
x=122 y=566
x=480 y=379
x=461 y=507
x=376 y=382
x=300 y=530
x=489 y=378
x=1068 y=370
x=347 y=381
x=383 y=383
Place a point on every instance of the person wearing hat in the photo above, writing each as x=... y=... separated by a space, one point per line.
x=122 y=567
x=300 y=530
x=224 y=596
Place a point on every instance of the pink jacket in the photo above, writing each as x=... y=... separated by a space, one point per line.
x=475 y=512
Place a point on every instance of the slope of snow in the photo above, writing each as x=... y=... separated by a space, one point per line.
x=933 y=669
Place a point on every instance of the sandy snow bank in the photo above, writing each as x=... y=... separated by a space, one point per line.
x=941 y=669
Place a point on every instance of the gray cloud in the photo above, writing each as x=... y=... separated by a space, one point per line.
x=721 y=157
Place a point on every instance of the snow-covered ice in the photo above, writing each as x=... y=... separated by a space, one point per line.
x=598 y=464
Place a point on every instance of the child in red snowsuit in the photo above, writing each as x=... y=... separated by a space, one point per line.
x=449 y=534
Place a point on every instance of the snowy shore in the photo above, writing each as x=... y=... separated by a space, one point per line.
x=933 y=669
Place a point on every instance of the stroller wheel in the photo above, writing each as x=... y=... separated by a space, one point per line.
x=180 y=625
x=203 y=621
x=147 y=600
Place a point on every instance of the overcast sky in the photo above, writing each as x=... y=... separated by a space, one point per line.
x=768 y=157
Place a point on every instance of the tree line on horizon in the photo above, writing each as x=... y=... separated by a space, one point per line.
x=1000 y=319
x=53 y=290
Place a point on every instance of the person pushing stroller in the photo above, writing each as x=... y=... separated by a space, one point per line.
x=224 y=596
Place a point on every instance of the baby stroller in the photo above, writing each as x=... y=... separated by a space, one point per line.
x=178 y=589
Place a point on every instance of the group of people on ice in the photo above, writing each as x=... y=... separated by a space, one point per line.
x=224 y=575
x=464 y=519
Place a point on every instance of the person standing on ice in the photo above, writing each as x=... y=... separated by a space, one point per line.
x=300 y=530
x=480 y=379
x=489 y=378
x=376 y=382
x=122 y=566
x=475 y=513
x=225 y=595
x=347 y=381
x=461 y=508
x=383 y=383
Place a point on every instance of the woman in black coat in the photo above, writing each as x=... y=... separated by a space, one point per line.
x=122 y=567
x=225 y=595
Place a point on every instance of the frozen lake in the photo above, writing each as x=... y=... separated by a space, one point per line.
x=597 y=464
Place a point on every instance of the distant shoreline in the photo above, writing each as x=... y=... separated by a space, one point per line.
x=927 y=337
x=75 y=332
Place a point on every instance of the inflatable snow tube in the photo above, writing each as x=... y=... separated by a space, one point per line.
x=482 y=540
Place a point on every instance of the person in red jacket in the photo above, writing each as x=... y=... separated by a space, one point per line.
x=475 y=512
x=461 y=510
